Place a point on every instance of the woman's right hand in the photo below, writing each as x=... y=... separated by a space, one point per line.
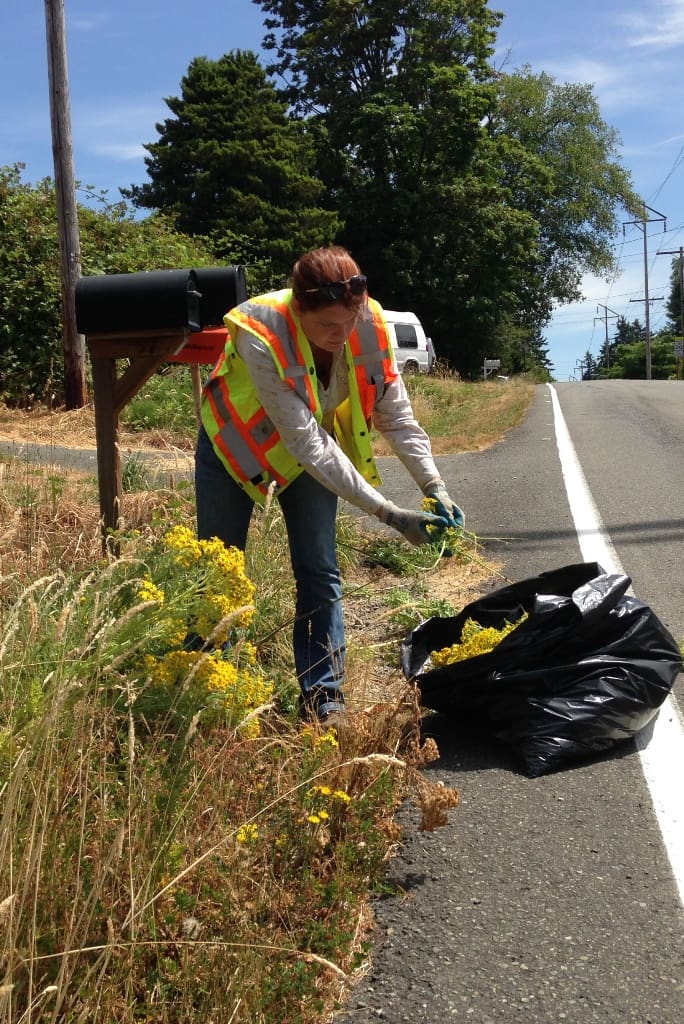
x=411 y=525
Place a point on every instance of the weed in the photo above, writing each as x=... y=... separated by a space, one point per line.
x=158 y=862
x=165 y=404
x=134 y=473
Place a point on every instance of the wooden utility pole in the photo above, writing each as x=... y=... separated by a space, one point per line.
x=643 y=223
x=67 y=215
x=606 y=317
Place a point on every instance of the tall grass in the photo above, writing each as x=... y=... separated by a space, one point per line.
x=464 y=416
x=160 y=861
x=458 y=415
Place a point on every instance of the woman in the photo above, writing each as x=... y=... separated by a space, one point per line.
x=290 y=401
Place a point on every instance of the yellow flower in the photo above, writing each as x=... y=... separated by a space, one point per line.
x=314 y=819
x=451 y=536
x=328 y=737
x=475 y=640
x=247 y=833
x=322 y=790
x=148 y=591
x=339 y=794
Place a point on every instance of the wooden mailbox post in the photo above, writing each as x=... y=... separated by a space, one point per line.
x=147 y=318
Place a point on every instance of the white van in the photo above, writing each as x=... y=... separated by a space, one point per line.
x=413 y=351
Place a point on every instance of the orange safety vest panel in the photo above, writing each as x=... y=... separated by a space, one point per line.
x=240 y=429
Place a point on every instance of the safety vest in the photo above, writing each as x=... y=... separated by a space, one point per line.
x=241 y=431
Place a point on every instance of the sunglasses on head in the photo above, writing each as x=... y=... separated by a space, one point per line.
x=336 y=290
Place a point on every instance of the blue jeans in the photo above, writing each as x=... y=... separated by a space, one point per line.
x=224 y=510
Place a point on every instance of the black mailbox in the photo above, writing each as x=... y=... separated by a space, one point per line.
x=145 y=301
x=221 y=289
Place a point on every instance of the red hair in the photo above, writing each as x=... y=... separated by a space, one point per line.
x=320 y=267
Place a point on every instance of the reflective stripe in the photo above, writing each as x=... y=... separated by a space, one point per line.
x=270 y=323
x=245 y=437
x=234 y=446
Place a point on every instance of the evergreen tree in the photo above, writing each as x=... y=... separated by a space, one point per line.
x=589 y=366
x=627 y=333
x=454 y=204
x=232 y=166
x=675 y=298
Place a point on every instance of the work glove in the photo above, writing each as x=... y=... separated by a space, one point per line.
x=445 y=506
x=412 y=525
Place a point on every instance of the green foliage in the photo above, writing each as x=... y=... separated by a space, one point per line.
x=134 y=474
x=474 y=198
x=675 y=299
x=571 y=181
x=523 y=350
x=589 y=367
x=30 y=305
x=232 y=166
x=31 y=361
x=409 y=609
x=165 y=403
x=630 y=359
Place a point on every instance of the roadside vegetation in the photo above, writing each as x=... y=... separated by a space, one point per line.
x=174 y=844
x=458 y=415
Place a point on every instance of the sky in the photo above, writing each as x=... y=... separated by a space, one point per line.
x=125 y=56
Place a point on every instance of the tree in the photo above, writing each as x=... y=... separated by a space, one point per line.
x=627 y=333
x=675 y=300
x=630 y=359
x=395 y=94
x=232 y=166
x=31 y=363
x=579 y=185
x=452 y=214
x=589 y=367
x=524 y=350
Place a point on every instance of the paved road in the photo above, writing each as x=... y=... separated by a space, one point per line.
x=550 y=899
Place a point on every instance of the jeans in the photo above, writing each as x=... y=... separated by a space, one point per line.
x=224 y=510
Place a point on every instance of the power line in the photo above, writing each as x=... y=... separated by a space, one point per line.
x=608 y=314
x=677 y=161
x=643 y=224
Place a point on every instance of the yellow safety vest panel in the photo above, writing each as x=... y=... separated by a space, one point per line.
x=241 y=431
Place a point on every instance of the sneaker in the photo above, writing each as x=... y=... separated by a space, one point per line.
x=320 y=704
x=334 y=719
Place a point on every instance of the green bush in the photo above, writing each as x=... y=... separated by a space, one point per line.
x=31 y=354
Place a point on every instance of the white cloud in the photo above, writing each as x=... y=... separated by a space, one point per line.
x=90 y=23
x=121 y=151
x=661 y=29
x=118 y=131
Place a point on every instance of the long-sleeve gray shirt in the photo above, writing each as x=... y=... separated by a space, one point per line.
x=312 y=443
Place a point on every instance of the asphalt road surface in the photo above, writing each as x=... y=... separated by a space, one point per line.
x=549 y=899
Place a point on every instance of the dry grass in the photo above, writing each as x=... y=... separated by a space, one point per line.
x=172 y=874
x=126 y=884
x=458 y=417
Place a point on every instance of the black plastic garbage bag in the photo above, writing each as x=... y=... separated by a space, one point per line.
x=587 y=668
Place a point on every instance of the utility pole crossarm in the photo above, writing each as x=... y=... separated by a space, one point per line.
x=608 y=314
x=643 y=223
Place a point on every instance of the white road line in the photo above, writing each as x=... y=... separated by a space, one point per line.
x=661 y=744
